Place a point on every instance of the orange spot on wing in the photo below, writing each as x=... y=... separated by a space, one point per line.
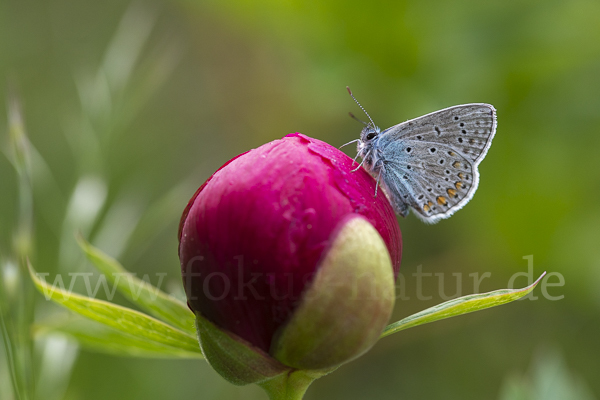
x=456 y=164
x=458 y=185
x=451 y=192
x=441 y=200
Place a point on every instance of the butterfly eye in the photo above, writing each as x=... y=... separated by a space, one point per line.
x=371 y=135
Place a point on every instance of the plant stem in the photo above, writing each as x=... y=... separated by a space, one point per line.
x=289 y=386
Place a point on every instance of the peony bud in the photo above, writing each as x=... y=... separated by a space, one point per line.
x=288 y=260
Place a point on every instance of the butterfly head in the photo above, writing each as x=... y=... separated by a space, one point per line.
x=369 y=133
x=368 y=136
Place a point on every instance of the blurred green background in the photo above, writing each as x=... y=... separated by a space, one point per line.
x=129 y=107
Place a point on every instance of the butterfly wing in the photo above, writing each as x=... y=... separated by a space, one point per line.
x=430 y=163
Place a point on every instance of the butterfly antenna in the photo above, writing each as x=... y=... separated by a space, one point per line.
x=361 y=107
x=354 y=117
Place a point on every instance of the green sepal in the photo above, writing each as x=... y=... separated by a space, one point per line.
x=236 y=360
x=347 y=305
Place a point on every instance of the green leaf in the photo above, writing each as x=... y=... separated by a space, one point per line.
x=98 y=337
x=125 y=320
x=459 y=306
x=148 y=297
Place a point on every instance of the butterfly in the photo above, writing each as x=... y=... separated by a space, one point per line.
x=429 y=163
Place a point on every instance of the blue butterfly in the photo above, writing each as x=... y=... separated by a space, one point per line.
x=429 y=163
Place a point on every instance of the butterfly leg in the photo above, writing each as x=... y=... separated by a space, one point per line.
x=353 y=161
x=359 y=165
x=381 y=169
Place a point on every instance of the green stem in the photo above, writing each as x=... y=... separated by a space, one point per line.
x=289 y=386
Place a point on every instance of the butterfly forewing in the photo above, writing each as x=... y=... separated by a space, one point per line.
x=430 y=163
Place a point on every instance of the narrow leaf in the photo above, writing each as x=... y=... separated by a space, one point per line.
x=123 y=319
x=98 y=337
x=459 y=306
x=146 y=296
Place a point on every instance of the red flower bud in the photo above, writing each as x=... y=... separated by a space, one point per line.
x=254 y=235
